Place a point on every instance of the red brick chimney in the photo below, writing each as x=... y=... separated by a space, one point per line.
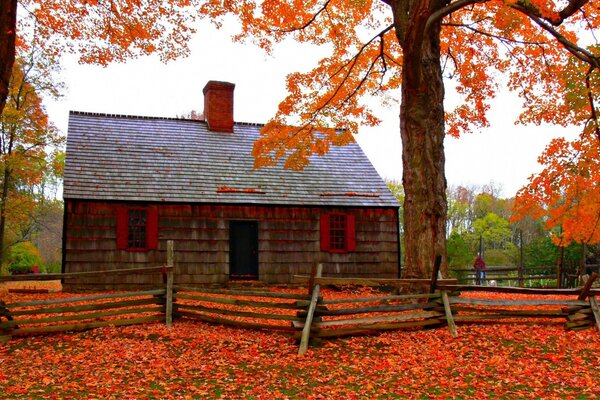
x=218 y=106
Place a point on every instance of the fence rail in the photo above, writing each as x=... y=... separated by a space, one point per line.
x=58 y=315
x=389 y=312
x=523 y=276
x=113 y=309
x=55 y=277
x=237 y=307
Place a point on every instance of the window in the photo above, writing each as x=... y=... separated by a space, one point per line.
x=136 y=235
x=137 y=228
x=338 y=233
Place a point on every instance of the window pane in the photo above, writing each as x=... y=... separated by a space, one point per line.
x=337 y=231
x=136 y=238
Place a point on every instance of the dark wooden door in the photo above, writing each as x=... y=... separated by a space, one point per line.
x=243 y=249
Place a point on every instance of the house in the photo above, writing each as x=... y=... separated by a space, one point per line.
x=132 y=183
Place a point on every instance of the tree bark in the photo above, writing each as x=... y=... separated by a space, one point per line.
x=422 y=131
x=3 y=199
x=8 y=30
x=6 y=182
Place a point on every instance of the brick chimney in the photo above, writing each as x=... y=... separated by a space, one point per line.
x=218 y=106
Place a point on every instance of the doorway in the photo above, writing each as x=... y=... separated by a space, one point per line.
x=243 y=249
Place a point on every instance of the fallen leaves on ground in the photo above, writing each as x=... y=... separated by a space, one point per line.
x=198 y=360
x=51 y=286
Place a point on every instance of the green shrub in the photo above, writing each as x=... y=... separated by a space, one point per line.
x=495 y=257
x=54 y=267
x=23 y=257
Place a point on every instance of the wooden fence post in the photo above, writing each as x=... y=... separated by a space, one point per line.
x=448 y=310
x=311 y=279
x=521 y=264
x=588 y=285
x=435 y=273
x=309 y=316
x=169 y=285
x=595 y=310
x=5 y=335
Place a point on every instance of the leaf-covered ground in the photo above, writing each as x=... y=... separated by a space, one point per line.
x=197 y=360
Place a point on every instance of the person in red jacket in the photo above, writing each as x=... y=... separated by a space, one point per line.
x=479 y=266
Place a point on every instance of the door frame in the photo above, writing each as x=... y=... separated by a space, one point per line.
x=253 y=245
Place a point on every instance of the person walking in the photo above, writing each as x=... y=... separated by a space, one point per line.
x=479 y=266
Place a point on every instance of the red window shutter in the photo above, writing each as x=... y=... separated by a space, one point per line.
x=152 y=228
x=325 y=236
x=122 y=227
x=350 y=233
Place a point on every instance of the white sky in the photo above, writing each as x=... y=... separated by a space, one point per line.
x=505 y=154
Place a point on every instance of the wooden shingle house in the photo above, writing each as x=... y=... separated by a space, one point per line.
x=132 y=183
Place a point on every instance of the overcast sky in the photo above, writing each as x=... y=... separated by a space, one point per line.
x=505 y=153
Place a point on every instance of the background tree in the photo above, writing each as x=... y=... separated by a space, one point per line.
x=45 y=232
x=460 y=254
x=460 y=209
x=566 y=193
x=26 y=135
x=479 y=212
x=8 y=34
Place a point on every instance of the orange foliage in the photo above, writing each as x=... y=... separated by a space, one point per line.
x=106 y=31
x=528 y=47
x=484 y=46
x=566 y=194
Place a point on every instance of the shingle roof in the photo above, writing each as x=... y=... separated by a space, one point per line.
x=111 y=157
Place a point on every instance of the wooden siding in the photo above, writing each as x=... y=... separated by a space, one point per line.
x=288 y=240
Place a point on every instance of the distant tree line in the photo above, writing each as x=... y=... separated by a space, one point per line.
x=479 y=216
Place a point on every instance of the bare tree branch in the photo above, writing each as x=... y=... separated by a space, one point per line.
x=449 y=9
x=307 y=23
x=593 y=114
x=350 y=64
x=571 y=8
x=527 y=7
x=497 y=37
x=579 y=52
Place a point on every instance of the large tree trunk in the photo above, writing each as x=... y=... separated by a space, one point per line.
x=422 y=131
x=8 y=30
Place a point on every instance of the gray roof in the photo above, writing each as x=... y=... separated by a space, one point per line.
x=111 y=157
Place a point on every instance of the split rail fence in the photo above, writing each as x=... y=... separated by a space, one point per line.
x=85 y=312
x=279 y=311
x=306 y=316
x=519 y=276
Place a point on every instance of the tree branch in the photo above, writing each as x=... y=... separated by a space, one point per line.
x=593 y=114
x=307 y=23
x=526 y=7
x=351 y=63
x=497 y=37
x=449 y=9
x=579 y=52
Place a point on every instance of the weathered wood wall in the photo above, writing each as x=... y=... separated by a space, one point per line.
x=288 y=243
